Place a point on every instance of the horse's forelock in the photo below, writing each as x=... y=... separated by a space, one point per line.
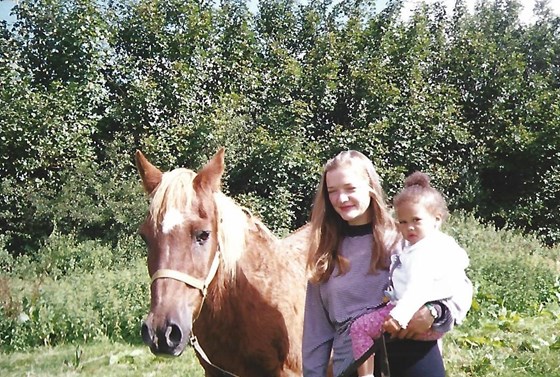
x=175 y=191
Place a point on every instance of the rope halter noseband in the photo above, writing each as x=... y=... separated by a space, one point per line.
x=201 y=285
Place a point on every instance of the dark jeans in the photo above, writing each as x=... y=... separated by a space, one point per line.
x=412 y=358
x=407 y=358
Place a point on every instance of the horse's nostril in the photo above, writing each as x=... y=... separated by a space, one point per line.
x=173 y=335
x=146 y=334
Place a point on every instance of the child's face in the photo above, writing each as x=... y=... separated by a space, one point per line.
x=349 y=194
x=415 y=221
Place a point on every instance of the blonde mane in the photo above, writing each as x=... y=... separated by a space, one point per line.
x=232 y=227
x=176 y=191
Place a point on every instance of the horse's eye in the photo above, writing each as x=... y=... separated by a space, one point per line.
x=202 y=236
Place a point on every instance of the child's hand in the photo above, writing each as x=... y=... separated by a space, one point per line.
x=391 y=326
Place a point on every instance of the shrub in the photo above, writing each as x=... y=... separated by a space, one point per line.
x=64 y=254
x=509 y=270
x=74 y=308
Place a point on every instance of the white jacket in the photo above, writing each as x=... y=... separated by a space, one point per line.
x=431 y=269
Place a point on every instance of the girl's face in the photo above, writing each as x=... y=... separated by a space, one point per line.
x=415 y=221
x=348 y=191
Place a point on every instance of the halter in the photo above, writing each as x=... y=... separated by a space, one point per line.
x=202 y=286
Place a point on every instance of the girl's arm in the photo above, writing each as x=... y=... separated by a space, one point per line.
x=451 y=311
x=318 y=335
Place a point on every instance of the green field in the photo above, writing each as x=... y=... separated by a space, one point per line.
x=97 y=358
x=48 y=327
x=525 y=348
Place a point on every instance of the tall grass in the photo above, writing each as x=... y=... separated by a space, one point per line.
x=81 y=302
x=102 y=357
x=512 y=328
x=71 y=292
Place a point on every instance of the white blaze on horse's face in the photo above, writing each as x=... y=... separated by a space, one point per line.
x=173 y=217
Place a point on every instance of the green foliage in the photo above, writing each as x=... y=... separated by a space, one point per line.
x=540 y=285
x=61 y=41
x=472 y=99
x=96 y=202
x=511 y=271
x=64 y=255
x=273 y=176
x=512 y=326
x=503 y=82
x=509 y=344
x=78 y=307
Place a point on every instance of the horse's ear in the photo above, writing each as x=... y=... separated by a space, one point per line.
x=210 y=176
x=151 y=176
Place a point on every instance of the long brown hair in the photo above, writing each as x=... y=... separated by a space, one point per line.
x=327 y=225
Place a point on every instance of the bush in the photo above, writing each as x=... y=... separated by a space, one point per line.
x=96 y=201
x=276 y=178
x=74 y=308
x=510 y=270
x=64 y=254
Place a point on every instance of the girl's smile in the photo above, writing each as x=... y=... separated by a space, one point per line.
x=349 y=194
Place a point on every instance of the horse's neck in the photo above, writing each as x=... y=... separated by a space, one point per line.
x=259 y=252
x=252 y=315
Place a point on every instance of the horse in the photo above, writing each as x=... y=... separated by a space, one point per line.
x=220 y=277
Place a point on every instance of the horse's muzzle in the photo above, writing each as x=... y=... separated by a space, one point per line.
x=169 y=339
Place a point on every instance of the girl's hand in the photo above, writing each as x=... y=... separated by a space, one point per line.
x=391 y=326
x=420 y=323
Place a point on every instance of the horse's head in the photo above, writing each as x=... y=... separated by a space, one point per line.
x=180 y=232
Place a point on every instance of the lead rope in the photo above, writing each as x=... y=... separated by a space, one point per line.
x=193 y=339
x=381 y=360
x=384 y=367
x=198 y=349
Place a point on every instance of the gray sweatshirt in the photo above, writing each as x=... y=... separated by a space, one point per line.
x=330 y=308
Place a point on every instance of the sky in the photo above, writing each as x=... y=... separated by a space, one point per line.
x=526 y=14
x=5 y=7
